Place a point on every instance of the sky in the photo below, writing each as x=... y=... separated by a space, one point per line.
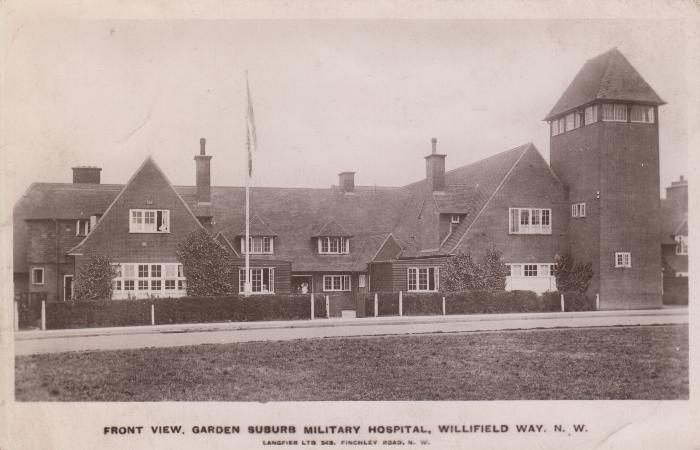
x=329 y=95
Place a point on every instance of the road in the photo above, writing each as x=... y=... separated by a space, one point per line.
x=54 y=341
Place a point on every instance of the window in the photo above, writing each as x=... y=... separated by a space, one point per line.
x=530 y=221
x=149 y=221
x=681 y=245
x=258 y=244
x=37 y=275
x=578 y=210
x=82 y=227
x=333 y=245
x=336 y=282
x=614 y=112
x=562 y=125
x=423 y=279
x=642 y=114
x=555 y=127
x=262 y=280
x=570 y=121
x=362 y=281
x=590 y=115
x=454 y=219
x=531 y=270
x=163 y=279
x=623 y=259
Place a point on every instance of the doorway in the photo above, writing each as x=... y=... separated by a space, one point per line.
x=301 y=283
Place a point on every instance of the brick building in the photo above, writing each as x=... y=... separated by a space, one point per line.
x=599 y=198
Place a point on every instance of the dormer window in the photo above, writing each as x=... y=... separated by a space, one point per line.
x=149 y=221
x=681 y=245
x=454 y=219
x=259 y=245
x=82 y=227
x=333 y=245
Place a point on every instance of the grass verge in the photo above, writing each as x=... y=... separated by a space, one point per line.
x=646 y=362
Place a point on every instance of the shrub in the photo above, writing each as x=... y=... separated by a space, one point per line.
x=94 y=279
x=210 y=269
x=578 y=301
x=572 y=276
x=462 y=273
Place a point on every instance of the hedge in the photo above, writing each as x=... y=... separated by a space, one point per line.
x=115 y=313
x=475 y=302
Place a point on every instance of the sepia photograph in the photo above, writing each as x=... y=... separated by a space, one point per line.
x=346 y=212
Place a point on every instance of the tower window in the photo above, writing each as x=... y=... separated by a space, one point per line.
x=642 y=114
x=623 y=259
x=614 y=112
x=591 y=114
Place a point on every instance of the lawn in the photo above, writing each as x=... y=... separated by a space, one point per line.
x=649 y=362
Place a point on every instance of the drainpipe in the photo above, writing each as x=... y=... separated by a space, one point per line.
x=58 y=264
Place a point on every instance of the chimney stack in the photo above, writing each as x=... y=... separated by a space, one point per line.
x=86 y=175
x=346 y=181
x=435 y=169
x=677 y=193
x=202 y=162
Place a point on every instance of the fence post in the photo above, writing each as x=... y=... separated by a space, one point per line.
x=597 y=302
x=43 y=315
x=328 y=308
x=376 y=305
x=312 y=306
x=562 y=302
x=400 y=303
x=443 y=306
x=153 y=314
x=16 y=316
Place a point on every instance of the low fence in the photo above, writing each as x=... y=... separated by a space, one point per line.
x=470 y=302
x=160 y=311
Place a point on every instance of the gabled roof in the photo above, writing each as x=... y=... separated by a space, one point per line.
x=474 y=183
x=258 y=227
x=65 y=200
x=609 y=76
x=332 y=228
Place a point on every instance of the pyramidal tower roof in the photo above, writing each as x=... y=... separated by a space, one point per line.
x=609 y=76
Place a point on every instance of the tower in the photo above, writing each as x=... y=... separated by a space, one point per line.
x=604 y=146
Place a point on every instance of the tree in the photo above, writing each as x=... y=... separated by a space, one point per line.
x=571 y=275
x=94 y=279
x=209 y=268
x=462 y=273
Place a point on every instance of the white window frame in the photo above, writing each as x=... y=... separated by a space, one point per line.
x=454 y=219
x=530 y=215
x=647 y=114
x=40 y=270
x=83 y=227
x=256 y=284
x=343 y=245
x=616 y=112
x=344 y=283
x=542 y=270
x=140 y=220
x=681 y=245
x=129 y=278
x=261 y=240
x=578 y=209
x=414 y=282
x=362 y=280
x=590 y=115
x=555 y=127
x=623 y=259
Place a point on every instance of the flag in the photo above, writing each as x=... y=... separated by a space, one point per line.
x=252 y=139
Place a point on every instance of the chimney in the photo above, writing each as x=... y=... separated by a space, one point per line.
x=677 y=193
x=346 y=181
x=435 y=169
x=203 y=173
x=86 y=174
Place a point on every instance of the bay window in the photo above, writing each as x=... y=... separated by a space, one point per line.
x=141 y=280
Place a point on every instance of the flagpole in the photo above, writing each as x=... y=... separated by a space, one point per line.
x=247 y=284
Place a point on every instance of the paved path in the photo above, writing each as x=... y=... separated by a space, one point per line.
x=53 y=341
